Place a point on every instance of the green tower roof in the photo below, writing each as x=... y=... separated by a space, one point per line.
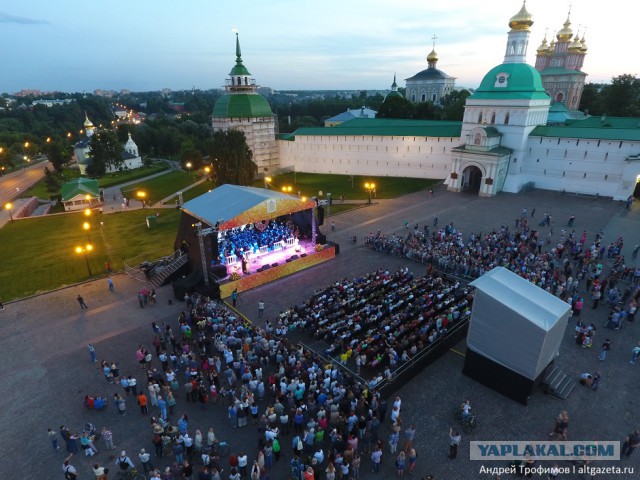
x=511 y=81
x=242 y=105
x=239 y=68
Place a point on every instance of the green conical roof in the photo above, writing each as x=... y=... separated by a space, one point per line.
x=239 y=68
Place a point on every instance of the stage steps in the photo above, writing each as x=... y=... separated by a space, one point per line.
x=159 y=278
x=558 y=383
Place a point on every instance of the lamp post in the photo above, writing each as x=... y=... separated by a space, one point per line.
x=87 y=212
x=370 y=187
x=84 y=250
x=207 y=170
x=267 y=181
x=8 y=206
x=188 y=165
x=86 y=226
x=141 y=196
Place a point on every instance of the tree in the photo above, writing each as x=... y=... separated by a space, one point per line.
x=622 y=97
x=105 y=152
x=453 y=105
x=395 y=107
x=427 y=111
x=51 y=181
x=233 y=159
x=59 y=153
x=591 y=101
x=190 y=154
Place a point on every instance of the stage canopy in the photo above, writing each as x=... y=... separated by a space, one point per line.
x=231 y=206
x=515 y=323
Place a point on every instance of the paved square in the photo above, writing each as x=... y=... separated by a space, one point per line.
x=46 y=368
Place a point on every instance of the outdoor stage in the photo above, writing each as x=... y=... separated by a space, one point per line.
x=234 y=207
x=274 y=266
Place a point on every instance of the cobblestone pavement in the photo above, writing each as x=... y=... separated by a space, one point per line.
x=46 y=369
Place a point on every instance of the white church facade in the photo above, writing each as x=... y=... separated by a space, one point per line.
x=510 y=137
x=130 y=157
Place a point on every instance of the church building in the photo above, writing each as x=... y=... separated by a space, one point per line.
x=520 y=129
x=130 y=157
x=431 y=84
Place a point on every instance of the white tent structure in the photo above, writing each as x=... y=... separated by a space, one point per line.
x=515 y=332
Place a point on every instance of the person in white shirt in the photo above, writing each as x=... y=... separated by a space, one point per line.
x=68 y=468
x=123 y=460
x=319 y=456
x=144 y=459
x=242 y=463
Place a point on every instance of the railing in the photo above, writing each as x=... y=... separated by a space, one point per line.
x=424 y=357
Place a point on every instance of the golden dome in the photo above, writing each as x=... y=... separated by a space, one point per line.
x=575 y=46
x=543 y=49
x=522 y=19
x=584 y=45
x=565 y=34
x=432 y=57
x=87 y=122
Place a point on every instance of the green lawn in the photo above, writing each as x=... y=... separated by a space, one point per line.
x=196 y=191
x=116 y=178
x=310 y=184
x=161 y=187
x=110 y=179
x=38 y=253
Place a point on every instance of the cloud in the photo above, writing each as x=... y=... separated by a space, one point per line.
x=6 y=18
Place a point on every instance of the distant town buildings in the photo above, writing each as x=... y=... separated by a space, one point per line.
x=53 y=102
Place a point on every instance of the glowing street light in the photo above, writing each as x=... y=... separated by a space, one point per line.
x=287 y=189
x=188 y=165
x=86 y=226
x=87 y=212
x=83 y=251
x=370 y=187
x=141 y=194
x=8 y=206
x=267 y=181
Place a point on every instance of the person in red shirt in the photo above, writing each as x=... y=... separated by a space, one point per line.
x=233 y=460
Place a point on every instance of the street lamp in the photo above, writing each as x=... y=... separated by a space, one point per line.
x=84 y=250
x=267 y=181
x=87 y=212
x=141 y=194
x=370 y=187
x=188 y=165
x=9 y=206
x=87 y=226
